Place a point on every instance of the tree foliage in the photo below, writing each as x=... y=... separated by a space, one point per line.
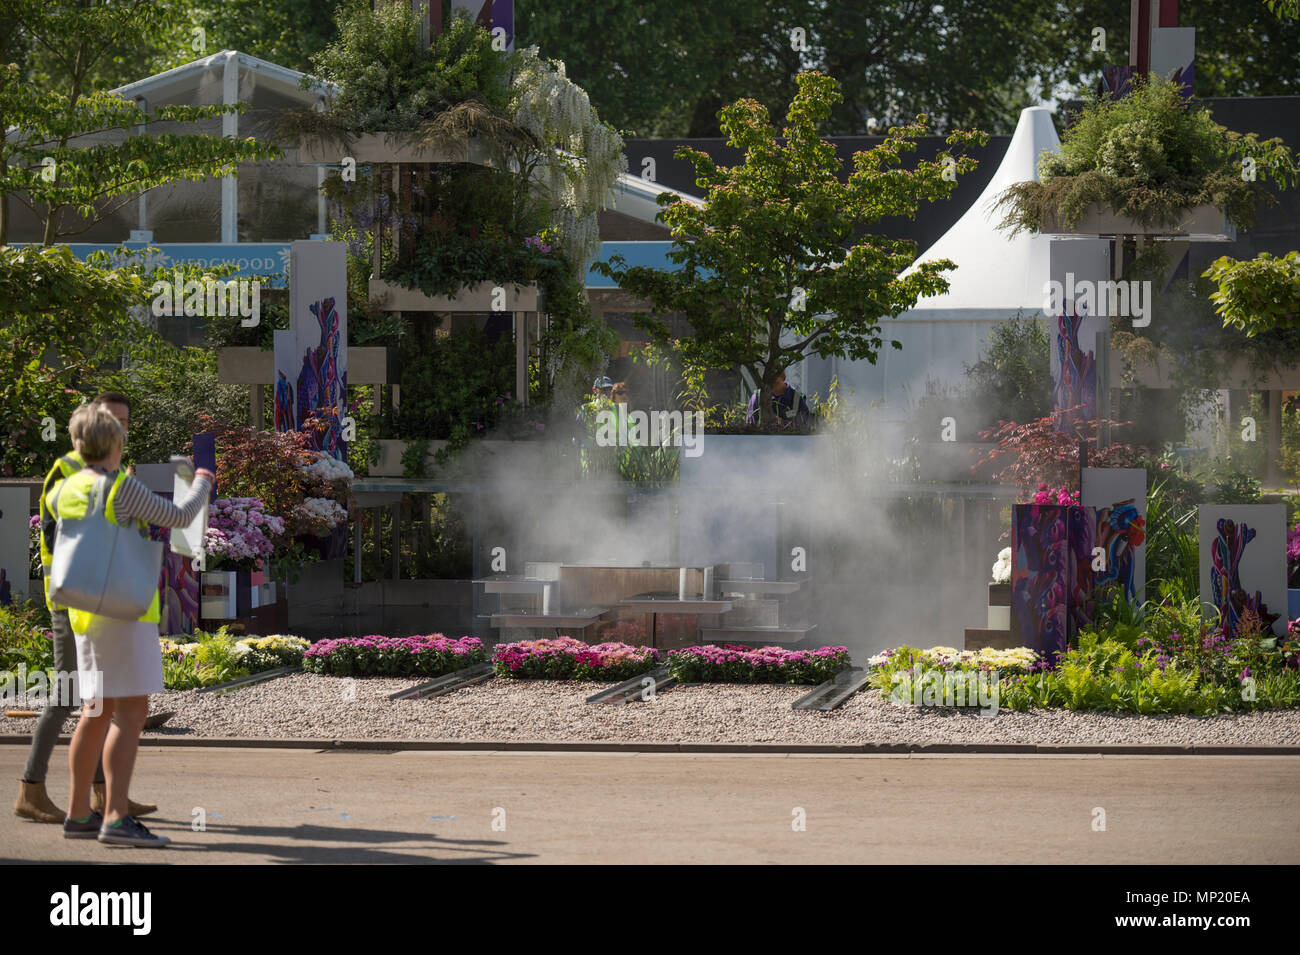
x=771 y=267
x=62 y=320
x=1259 y=294
x=90 y=151
x=664 y=68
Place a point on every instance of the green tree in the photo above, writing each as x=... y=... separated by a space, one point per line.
x=664 y=68
x=171 y=389
x=765 y=275
x=53 y=167
x=1012 y=379
x=61 y=321
x=1257 y=295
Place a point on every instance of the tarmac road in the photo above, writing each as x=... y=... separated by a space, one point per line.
x=293 y=806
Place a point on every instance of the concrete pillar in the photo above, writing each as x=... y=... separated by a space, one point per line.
x=396 y=511
x=521 y=356
x=1273 y=468
x=356 y=550
x=230 y=130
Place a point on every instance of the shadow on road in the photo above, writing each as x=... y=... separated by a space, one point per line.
x=364 y=845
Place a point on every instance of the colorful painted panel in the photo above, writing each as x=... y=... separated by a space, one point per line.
x=1073 y=264
x=1115 y=81
x=1243 y=563
x=311 y=387
x=490 y=14
x=1080 y=607
x=1120 y=497
x=1075 y=385
x=285 y=377
x=1040 y=585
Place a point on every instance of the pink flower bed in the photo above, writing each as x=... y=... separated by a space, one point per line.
x=568 y=659
x=374 y=655
x=740 y=664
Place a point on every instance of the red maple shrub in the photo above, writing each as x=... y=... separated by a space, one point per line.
x=1039 y=452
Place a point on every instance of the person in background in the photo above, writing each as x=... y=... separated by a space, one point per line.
x=119 y=662
x=788 y=404
x=33 y=800
x=600 y=389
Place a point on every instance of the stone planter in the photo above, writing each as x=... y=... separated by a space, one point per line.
x=243 y=600
x=1201 y=224
x=218 y=595
x=390 y=457
x=330 y=546
x=480 y=459
x=999 y=607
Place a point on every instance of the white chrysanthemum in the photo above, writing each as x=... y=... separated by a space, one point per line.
x=1002 y=567
x=327 y=468
x=323 y=511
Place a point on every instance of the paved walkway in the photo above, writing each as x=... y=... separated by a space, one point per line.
x=286 y=806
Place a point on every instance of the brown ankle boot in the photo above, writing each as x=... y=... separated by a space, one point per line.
x=34 y=803
x=99 y=802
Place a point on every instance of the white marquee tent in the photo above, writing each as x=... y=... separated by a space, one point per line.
x=996 y=275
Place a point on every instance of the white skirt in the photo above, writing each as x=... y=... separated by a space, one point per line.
x=117 y=658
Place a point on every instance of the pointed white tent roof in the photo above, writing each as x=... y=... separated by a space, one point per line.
x=996 y=271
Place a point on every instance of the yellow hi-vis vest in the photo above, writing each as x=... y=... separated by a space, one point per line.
x=72 y=495
x=64 y=467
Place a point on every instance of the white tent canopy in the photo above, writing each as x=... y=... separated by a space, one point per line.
x=996 y=275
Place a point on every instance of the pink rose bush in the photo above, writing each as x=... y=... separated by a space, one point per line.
x=1060 y=496
x=567 y=659
x=240 y=533
x=374 y=655
x=740 y=664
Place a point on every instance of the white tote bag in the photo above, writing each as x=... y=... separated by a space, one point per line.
x=102 y=567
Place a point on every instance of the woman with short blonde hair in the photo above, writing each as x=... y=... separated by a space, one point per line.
x=119 y=662
x=94 y=431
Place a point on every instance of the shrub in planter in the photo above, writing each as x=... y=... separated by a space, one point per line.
x=1152 y=157
x=568 y=659
x=374 y=655
x=740 y=664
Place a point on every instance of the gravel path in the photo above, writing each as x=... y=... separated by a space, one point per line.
x=318 y=707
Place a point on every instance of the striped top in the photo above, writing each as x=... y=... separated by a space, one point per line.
x=135 y=500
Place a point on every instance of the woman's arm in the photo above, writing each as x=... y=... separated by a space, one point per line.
x=137 y=501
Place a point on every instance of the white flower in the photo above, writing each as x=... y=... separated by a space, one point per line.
x=1002 y=567
x=323 y=511
x=328 y=469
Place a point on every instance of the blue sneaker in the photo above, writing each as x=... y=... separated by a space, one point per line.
x=88 y=828
x=128 y=831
